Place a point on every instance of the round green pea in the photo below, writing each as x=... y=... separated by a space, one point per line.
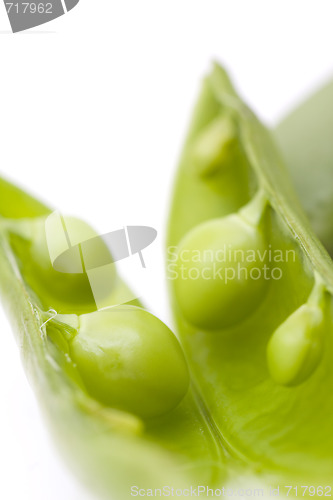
x=215 y=146
x=219 y=276
x=128 y=359
x=295 y=349
x=64 y=291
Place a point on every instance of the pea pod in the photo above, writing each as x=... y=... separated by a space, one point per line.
x=260 y=352
x=112 y=383
x=305 y=139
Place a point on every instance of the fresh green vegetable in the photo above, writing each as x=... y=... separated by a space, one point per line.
x=218 y=299
x=113 y=384
x=128 y=359
x=296 y=347
x=260 y=352
x=305 y=139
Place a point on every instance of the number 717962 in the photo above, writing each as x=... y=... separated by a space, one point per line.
x=29 y=8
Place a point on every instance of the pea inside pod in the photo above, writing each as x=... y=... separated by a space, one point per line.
x=235 y=420
x=93 y=368
x=67 y=291
x=296 y=347
x=267 y=415
x=220 y=268
x=130 y=360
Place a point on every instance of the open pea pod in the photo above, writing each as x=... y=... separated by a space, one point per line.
x=305 y=139
x=112 y=383
x=251 y=289
x=259 y=350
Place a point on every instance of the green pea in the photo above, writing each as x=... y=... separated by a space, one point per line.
x=220 y=266
x=130 y=360
x=89 y=369
x=214 y=146
x=36 y=243
x=295 y=349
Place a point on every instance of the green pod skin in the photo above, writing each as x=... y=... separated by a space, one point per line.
x=217 y=285
x=264 y=398
x=215 y=146
x=113 y=386
x=128 y=359
x=305 y=139
x=234 y=420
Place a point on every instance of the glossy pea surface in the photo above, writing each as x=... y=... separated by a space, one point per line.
x=68 y=291
x=296 y=347
x=130 y=360
x=219 y=272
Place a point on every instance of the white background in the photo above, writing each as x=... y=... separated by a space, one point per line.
x=93 y=110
